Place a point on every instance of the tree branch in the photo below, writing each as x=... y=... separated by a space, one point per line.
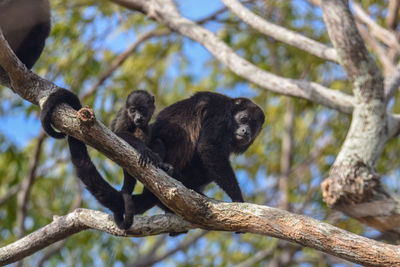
x=81 y=219
x=118 y=61
x=165 y=12
x=57 y=247
x=392 y=83
x=193 y=207
x=11 y=192
x=280 y=33
x=381 y=33
x=26 y=186
x=185 y=244
x=353 y=185
x=380 y=51
x=392 y=14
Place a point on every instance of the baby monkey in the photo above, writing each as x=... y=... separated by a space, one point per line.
x=132 y=125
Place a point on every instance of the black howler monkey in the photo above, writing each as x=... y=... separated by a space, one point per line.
x=197 y=135
x=25 y=25
x=132 y=125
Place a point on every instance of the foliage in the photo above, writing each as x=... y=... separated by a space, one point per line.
x=86 y=38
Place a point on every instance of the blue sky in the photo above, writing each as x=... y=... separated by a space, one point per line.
x=20 y=129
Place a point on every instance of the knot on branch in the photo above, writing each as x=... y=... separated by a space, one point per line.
x=351 y=184
x=86 y=116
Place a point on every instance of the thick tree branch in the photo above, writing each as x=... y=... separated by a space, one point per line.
x=353 y=185
x=353 y=55
x=367 y=134
x=81 y=219
x=212 y=215
x=280 y=33
x=193 y=207
x=165 y=12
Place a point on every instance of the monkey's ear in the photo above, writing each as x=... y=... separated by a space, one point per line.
x=152 y=98
x=237 y=102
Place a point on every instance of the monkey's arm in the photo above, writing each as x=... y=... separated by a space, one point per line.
x=213 y=149
x=146 y=154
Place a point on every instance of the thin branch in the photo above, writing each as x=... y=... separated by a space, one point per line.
x=26 y=185
x=11 y=192
x=354 y=57
x=121 y=59
x=380 y=51
x=392 y=14
x=185 y=244
x=165 y=12
x=193 y=207
x=57 y=247
x=259 y=256
x=53 y=250
x=286 y=155
x=392 y=83
x=151 y=253
x=280 y=33
x=384 y=35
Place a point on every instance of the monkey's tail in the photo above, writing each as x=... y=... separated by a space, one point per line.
x=112 y=199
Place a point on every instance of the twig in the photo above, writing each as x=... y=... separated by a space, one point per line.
x=186 y=243
x=121 y=59
x=281 y=33
x=26 y=185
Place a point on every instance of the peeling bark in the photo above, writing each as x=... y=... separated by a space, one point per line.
x=353 y=185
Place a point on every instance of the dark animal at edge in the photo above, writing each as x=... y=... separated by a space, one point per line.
x=25 y=25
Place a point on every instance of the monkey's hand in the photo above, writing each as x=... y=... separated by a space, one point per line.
x=148 y=156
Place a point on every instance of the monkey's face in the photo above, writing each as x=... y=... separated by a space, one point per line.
x=140 y=107
x=247 y=123
x=139 y=115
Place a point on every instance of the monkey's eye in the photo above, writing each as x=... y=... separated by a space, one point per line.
x=244 y=120
x=141 y=109
x=132 y=110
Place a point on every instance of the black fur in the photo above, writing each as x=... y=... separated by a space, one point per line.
x=54 y=99
x=197 y=135
x=25 y=25
x=94 y=182
x=84 y=167
x=132 y=125
x=134 y=130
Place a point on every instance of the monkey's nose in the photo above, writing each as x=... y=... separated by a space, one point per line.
x=243 y=132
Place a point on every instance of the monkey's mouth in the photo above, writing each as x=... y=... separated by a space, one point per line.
x=242 y=138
